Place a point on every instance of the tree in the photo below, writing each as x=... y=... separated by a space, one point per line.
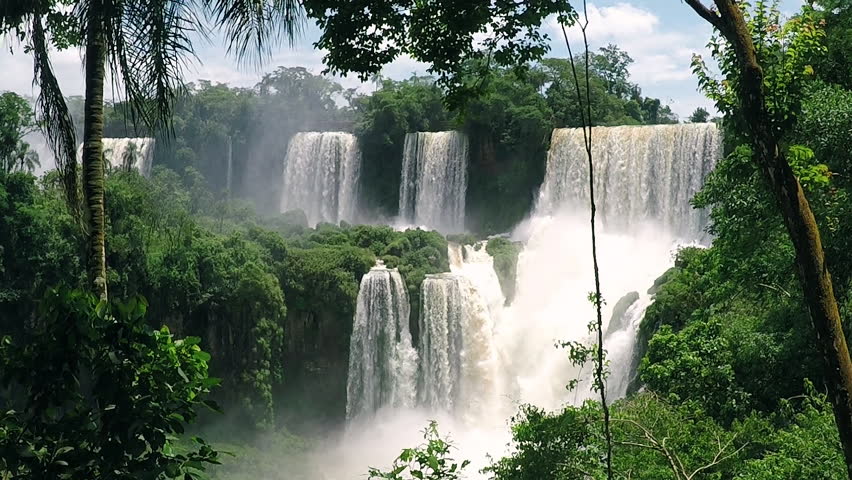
x=455 y=37
x=611 y=64
x=86 y=405
x=765 y=117
x=144 y=45
x=16 y=121
x=700 y=115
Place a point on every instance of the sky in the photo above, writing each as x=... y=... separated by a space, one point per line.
x=660 y=35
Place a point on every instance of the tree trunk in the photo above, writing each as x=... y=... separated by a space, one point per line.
x=798 y=217
x=93 y=164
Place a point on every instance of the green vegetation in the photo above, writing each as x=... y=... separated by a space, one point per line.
x=430 y=461
x=95 y=392
x=16 y=120
x=213 y=269
x=505 y=255
x=653 y=438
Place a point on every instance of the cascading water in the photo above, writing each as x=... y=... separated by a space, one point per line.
x=459 y=364
x=129 y=153
x=229 y=172
x=441 y=324
x=123 y=153
x=641 y=174
x=434 y=180
x=382 y=360
x=479 y=359
x=321 y=172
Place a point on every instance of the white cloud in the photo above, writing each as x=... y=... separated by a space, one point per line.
x=660 y=54
x=662 y=51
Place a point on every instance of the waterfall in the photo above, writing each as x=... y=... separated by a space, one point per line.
x=644 y=180
x=321 y=172
x=434 y=180
x=440 y=340
x=119 y=153
x=126 y=153
x=480 y=359
x=642 y=174
x=229 y=172
x=459 y=369
x=382 y=360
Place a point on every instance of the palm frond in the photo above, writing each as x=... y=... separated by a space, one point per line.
x=253 y=27
x=149 y=47
x=149 y=44
x=54 y=118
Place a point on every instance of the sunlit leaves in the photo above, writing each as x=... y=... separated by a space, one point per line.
x=786 y=51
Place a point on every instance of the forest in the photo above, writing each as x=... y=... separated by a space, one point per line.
x=172 y=319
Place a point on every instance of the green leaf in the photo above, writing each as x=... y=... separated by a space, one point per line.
x=63 y=450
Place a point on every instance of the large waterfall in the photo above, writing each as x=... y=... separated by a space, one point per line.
x=321 y=172
x=434 y=180
x=479 y=359
x=382 y=360
x=642 y=174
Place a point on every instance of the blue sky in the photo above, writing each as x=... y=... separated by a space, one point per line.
x=660 y=35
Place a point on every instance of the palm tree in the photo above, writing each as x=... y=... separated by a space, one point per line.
x=145 y=45
x=25 y=159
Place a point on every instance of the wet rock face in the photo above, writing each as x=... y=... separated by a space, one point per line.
x=618 y=321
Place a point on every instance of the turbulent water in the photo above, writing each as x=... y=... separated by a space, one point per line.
x=382 y=361
x=321 y=172
x=434 y=180
x=641 y=174
x=480 y=359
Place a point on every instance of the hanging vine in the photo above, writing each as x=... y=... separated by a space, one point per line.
x=595 y=297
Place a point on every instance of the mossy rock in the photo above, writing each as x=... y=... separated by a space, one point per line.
x=618 y=320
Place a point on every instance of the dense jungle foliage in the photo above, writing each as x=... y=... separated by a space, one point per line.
x=213 y=269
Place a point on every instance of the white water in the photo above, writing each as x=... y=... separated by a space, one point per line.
x=642 y=174
x=118 y=152
x=480 y=360
x=321 y=172
x=434 y=180
x=382 y=361
x=135 y=153
x=229 y=172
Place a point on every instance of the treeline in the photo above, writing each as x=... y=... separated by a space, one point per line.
x=509 y=125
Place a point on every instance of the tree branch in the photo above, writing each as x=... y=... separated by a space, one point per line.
x=707 y=14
